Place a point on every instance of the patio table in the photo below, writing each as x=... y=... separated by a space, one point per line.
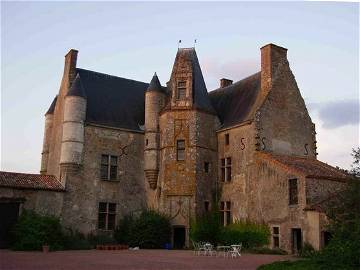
x=223 y=249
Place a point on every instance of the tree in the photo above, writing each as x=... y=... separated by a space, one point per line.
x=355 y=167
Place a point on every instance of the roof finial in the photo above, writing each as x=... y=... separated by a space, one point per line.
x=195 y=42
x=179 y=43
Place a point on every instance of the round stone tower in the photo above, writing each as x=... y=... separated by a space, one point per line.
x=49 y=120
x=154 y=102
x=72 y=143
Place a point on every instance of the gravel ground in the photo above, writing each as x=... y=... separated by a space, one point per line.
x=128 y=260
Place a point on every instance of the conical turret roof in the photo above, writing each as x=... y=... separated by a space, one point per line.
x=77 y=88
x=155 y=85
x=52 y=106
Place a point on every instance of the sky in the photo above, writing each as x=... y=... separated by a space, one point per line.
x=135 y=39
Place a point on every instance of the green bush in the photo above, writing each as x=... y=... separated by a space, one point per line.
x=248 y=233
x=266 y=250
x=74 y=240
x=150 y=230
x=307 y=251
x=100 y=239
x=32 y=231
x=207 y=228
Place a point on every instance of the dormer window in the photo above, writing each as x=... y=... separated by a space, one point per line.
x=181 y=90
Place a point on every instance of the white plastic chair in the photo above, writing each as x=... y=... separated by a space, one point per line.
x=235 y=251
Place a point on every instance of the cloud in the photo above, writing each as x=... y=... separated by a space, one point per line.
x=337 y=114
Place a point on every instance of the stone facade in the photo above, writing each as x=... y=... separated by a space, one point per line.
x=172 y=148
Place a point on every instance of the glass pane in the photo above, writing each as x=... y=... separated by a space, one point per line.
x=181 y=154
x=181 y=84
x=102 y=207
x=113 y=160
x=275 y=230
x=228 y=217
x=228 y=176
x=223 y=174
x=228 y=205
x=112 y=207
x=180 y=144
x=111 y=222
x=228 y=161
x=102 y=221
x=104 y=159
x=113 y=172
x=181 y=93
x=104 y=172
x=222 y=206
x=223 y=162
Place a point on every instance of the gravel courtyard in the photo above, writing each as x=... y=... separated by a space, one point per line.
x=128 y=260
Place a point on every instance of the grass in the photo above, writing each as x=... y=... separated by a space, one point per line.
x=300 y=265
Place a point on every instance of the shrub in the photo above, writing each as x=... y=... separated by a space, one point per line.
x=150 y=230
x=307 y=251
x=248 y=233
x=74 y=240
x=32 y=231
x=207 y=228
x=266 y=250
x=100 y=239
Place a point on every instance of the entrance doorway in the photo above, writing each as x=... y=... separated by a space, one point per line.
x=179 y=237
x=9 y=213
x=296 y=240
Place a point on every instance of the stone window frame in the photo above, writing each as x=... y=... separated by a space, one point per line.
x=181 y=86
x=225 y=213
x=106 y=216
x=293 y=191
x=225 y=168
x=275 y=235
x=107 y=161
x=180 y=150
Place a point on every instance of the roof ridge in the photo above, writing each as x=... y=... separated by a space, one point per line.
x=105 y=74
x=235 y=83
x=28 y=173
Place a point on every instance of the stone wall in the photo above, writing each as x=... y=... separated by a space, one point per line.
x=320 y=189
x=41 y=201
x=85 y=189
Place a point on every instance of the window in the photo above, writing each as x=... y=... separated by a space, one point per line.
x=206 y=167
x=181 y=90
x=225 y=213
x=207 y=206
x=227 y=139
x=226 y=169
x=108 y=169
x=180 y=149
x=276 y=237
x=146 y=142
x=293 y=191
x=107 y=214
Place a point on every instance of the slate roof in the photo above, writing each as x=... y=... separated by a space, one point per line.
x=311 y=168
x=113 y=101
x=236 y=103
x=30 y=181
x=155 y=85
x=77 y=88
x=52 y=106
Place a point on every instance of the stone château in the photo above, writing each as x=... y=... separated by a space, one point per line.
x=114 y=146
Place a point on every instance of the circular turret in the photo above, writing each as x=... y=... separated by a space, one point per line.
x=72 y=144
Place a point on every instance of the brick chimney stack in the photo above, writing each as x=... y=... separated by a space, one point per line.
x=225 y=82
x=273 y=58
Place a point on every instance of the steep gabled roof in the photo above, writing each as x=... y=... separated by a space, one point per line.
x=52 y=106
x=30 y=181
x=113 y=101
x=201 y=98
x=309 y=167
x=77 y=88
x=236 y=103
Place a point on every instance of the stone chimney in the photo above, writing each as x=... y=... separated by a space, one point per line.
x=225 y=82
x=69 y=71
x=273 y=58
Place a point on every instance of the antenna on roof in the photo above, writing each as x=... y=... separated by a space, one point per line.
x=195 y=42
x=179 y=43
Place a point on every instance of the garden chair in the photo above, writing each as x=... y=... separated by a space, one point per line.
x=209 y=249
x=235 y=251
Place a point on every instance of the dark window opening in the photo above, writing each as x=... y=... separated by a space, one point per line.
x=276 y=237
x=180 y=150
x=293 y=191
x=146 y=142
x=108 y=168
x=225 y=213
x=206 y=167
x=181 y=90
x=296 y=240
x=107 y=215
x=227 y=139
x=207 y=206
